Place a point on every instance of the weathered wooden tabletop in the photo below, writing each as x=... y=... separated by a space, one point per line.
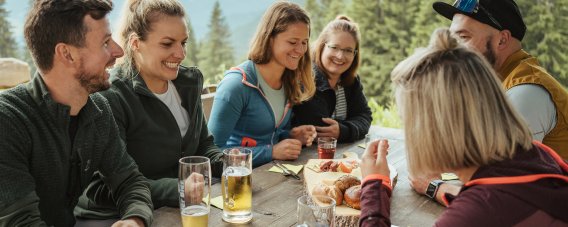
x=274 y=195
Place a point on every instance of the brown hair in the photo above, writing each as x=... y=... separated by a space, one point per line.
x=50 y=22
x=299 y=83
x=340 y=24
x=136 y=20
x=455 y=112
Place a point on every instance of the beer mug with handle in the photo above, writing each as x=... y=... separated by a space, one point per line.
x=236 y=185
x=194 y=184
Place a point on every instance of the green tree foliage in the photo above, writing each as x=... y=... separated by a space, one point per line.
x=8 y=46
x=546 y=36
x=216 y=53
x=191 y=47
x=425 y=21
x=316 y=15
x=385 y=37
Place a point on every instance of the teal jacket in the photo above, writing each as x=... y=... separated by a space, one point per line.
x=242 y=116
x=42 y=174
x=153 y=138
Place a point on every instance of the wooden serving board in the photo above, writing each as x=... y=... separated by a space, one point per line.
x=312 y=178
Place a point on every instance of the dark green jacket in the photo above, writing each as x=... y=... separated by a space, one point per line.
x=153 y=137
x=42 y=174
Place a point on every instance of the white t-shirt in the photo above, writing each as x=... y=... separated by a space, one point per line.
x=535 y=105
x=173 y=101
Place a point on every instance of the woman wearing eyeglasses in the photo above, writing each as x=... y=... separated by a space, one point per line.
x=339 y=108
x=457 y=118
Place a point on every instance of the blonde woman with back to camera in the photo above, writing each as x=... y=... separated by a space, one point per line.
x=453 y=96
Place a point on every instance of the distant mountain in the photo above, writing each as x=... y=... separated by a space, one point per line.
x=242 y=16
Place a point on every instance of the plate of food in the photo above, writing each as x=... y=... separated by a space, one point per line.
x=341 y=180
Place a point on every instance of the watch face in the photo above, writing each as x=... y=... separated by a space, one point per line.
x=431 y=190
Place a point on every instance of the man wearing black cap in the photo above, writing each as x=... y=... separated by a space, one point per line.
x=495 y=28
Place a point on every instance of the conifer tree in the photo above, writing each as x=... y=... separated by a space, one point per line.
x=385 y=35
x=8 y=46
x=313 y=8
x=545 y=37
x=216 y=54
x=191 y=46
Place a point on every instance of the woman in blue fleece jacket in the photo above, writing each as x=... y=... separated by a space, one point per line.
x=253 y=103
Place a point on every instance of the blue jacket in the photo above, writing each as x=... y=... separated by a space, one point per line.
x=242 y=116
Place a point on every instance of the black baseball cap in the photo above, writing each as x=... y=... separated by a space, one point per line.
x=500 y=14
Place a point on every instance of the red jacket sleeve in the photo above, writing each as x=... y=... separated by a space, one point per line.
x=375 y=204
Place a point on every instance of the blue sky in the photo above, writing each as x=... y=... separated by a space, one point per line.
x=241 y=16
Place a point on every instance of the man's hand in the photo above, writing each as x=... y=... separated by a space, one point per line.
x=329 y=131
x=193 y=188
x=129 y=222
x=304 y=133
x=374 y=160
x=288 y=149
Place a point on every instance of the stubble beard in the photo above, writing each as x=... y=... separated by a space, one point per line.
x=489 y=54
x=93 y=82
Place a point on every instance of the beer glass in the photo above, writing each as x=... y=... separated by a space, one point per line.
x=236 y=185
x=194 y=186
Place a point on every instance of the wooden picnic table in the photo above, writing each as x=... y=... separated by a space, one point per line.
x=275 y=195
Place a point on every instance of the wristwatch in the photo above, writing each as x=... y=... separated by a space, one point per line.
x=433 y=188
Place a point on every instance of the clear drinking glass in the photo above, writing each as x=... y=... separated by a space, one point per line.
x=236 y=185
x=326 y=147
x=194 y=185
x=315 y=211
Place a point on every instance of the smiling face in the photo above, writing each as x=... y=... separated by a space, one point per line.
x=290 y=46
x=97 y=55
x=338 y=53
x=158 y=56
x=476 y=35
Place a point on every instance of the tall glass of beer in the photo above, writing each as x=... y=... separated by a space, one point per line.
x=194 y=186
x=236 y=185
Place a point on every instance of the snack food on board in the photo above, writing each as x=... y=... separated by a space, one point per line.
x=329 y=190
x=346 y=181
x=352 y=197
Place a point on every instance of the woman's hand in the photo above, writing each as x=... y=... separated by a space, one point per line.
x=193 y=188
x=374 y=160
x=304 y=133
x=288 y=149
x=329 y=131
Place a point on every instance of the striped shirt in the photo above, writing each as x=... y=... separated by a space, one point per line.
x=340 y=112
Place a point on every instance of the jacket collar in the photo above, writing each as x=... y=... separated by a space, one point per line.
x=139 y=85
x=59 y=112
x=322 y=83
x=511 y=63
x=249 y=78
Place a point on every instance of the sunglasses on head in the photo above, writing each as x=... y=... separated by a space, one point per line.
x=473 y=6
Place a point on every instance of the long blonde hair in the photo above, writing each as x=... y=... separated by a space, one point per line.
x=299 y=83
x=340 y=24
x=136 y=20
x=455 y=112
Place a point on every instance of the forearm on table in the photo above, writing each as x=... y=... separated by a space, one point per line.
x=448 y=188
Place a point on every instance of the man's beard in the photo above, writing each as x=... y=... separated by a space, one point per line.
x=489 y=54
x=93 y=82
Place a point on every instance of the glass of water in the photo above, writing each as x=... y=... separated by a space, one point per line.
x=194 y=184
x=315 y=211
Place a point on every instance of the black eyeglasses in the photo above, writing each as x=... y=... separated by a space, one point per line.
x=473 y=6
